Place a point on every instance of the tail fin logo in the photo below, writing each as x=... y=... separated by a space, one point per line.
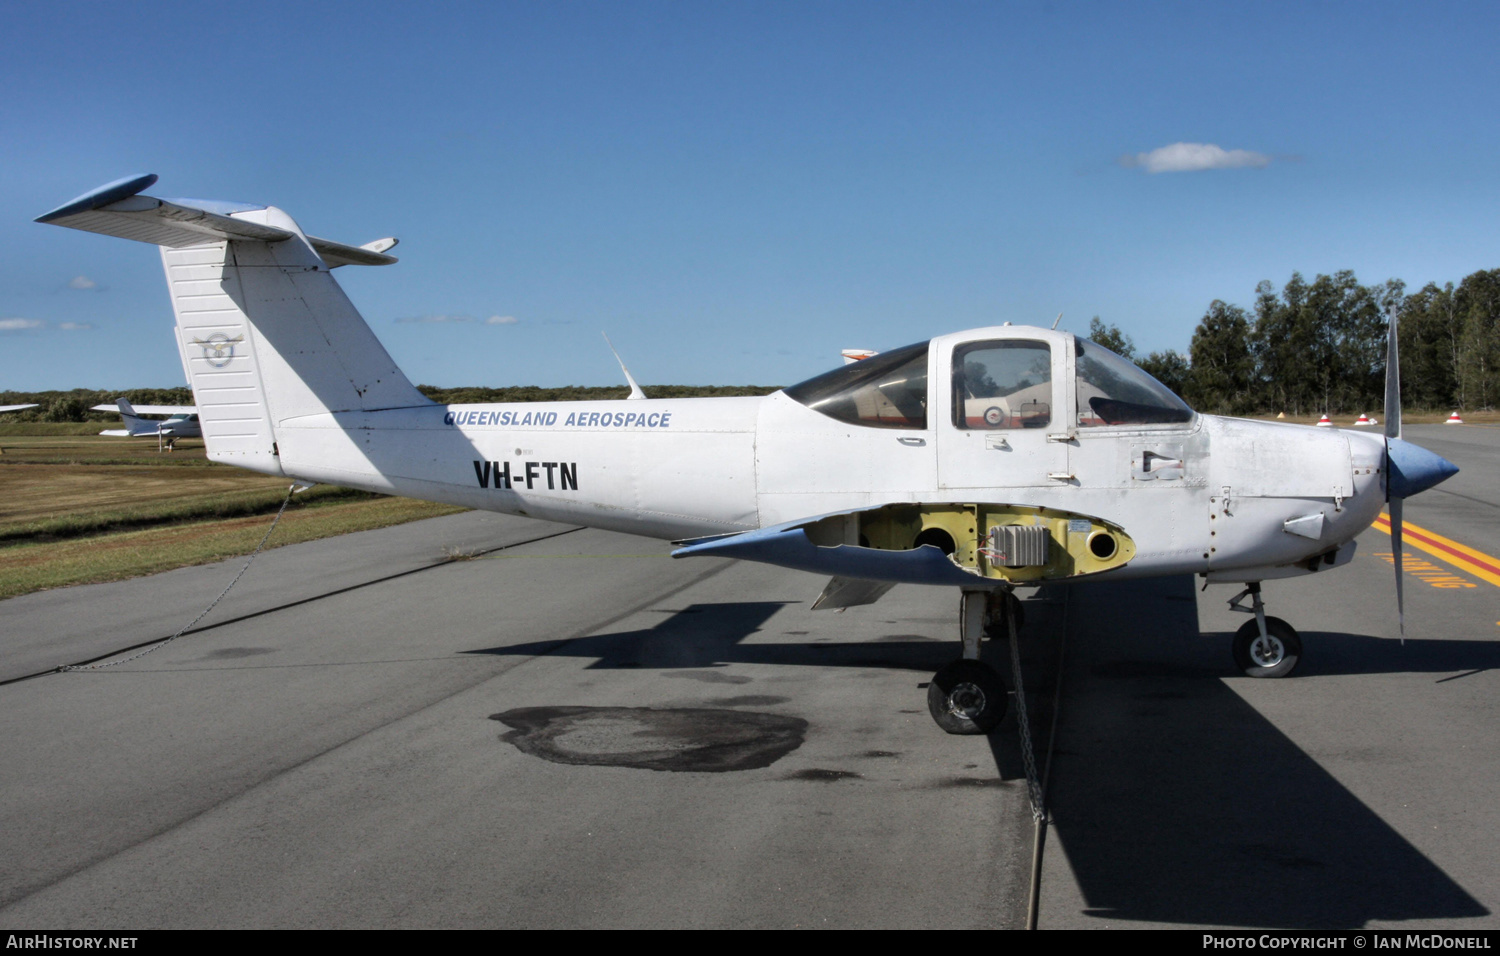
x=218 y=349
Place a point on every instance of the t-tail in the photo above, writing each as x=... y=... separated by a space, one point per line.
x=265 y=333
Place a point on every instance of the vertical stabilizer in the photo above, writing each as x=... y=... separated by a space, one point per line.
x=266 y=334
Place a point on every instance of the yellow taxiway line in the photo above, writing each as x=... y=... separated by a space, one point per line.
x=1463 y=557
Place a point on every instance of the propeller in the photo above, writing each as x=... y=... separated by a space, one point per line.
x=1409 y=469
x=1393 y=433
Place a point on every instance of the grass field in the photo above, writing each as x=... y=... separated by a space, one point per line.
x=78 y=508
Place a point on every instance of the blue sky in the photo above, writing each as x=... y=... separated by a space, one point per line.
x=737 y=191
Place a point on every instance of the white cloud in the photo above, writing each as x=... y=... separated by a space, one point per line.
x=1193 y=157
x=75 y=326
x=501 y=320
x=20 y=325
x=82 y=282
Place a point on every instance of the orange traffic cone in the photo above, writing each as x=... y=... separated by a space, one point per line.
x=1363 y=419
x=1324 y=422
x=1454 y=420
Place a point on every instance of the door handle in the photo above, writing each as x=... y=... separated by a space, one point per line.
x=914 y=442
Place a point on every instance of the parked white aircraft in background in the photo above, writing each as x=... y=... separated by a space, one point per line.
x=984 y=460
x=15 y=408
x=181 y=422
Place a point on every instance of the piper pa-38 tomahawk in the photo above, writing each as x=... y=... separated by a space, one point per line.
x=984 y=460
x=181 y=421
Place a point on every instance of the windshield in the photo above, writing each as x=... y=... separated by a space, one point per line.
x=888 y=390
x=1116 y=391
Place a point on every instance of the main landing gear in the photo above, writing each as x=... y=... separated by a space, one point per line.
x=968 y=696
x=1266 y=646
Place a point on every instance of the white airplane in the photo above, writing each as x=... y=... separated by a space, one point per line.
x=15 y=408
x=181 y=422
x=984 y=460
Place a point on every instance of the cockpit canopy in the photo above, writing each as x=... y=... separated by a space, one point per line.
x=887 y=390
x=996 y=383
x=1113 y=390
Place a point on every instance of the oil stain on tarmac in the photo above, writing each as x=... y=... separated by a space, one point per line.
x=695 y=740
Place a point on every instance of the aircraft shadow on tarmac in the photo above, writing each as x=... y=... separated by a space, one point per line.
x=713 y=635
x=1331 y=653
x=1175 y=801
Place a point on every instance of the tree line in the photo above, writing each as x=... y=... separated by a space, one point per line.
x=1319 y=347
x=74 y=405
x=1312 y=347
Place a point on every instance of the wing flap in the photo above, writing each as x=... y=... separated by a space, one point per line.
x=850 y=592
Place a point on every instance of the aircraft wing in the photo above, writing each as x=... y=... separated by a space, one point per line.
x=15 y=408
x=789 y=546
x=150 y=409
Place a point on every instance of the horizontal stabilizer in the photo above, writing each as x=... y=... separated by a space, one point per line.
x=118 y=209
x=337 y=254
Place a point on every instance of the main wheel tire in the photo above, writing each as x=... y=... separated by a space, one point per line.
x=1274 y=656
x=967 y=697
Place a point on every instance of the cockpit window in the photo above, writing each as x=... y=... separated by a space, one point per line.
x=888 y=390
x=1116 y=391
x=1005 y=384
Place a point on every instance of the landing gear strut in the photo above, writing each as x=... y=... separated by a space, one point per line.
x=968 y=696
x=1266 y=646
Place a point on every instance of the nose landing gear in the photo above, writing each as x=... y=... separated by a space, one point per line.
x=1266 y=646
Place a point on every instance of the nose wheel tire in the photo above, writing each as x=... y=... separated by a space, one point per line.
x=1275 y=655
x=967 y=697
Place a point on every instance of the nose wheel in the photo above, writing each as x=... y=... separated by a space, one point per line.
x=1274 y=654
x=1266 y=646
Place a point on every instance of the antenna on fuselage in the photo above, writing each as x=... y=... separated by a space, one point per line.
x=635 y=390
x=1055 y=321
